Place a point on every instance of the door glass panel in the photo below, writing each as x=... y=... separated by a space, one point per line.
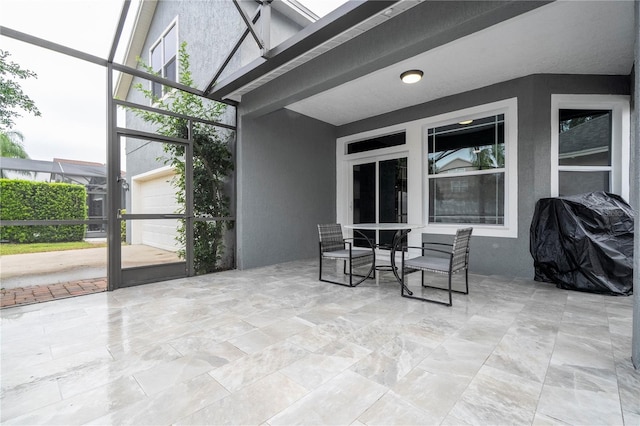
x=364 y=198
x=155 y=243
x=380 y=197
x=392 y=195
x=214 y=241
x=154 y=188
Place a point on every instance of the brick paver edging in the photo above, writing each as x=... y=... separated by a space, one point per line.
x=43 y=293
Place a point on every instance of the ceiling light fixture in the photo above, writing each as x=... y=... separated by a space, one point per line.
x=464 y=123
x=411 y=76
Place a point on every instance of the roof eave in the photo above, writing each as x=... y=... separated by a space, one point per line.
x=338 y=21
x=139 y=33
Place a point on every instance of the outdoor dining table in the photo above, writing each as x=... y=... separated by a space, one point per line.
x=401 y=232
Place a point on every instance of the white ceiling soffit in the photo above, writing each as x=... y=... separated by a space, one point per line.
x=295 y=11
x=396 y=9
x=564 y=37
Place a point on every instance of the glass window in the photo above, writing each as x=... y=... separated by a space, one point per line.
x=377 y=143
x=163 y=58
x=572 y=183
x=590 y=144
x=170 y=45
x=584 y=151
x=467 y=199
x=585 y=138
x=466 y=172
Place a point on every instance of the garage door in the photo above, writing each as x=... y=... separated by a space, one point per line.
x=153 y=193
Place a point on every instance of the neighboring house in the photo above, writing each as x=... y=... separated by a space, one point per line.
x=92 y=175
x=499 y=77
x=160 y=28
x=457 y=165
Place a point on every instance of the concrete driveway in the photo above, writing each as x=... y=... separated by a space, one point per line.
x=24 y=270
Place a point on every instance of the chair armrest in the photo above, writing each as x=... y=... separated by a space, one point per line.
x=430 y=243
x=431 y=249
x=354 y=239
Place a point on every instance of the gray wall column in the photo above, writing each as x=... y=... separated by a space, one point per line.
x=286 y=186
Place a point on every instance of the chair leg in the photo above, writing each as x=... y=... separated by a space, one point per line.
x=409 y=293
x=371 y=274
x=450 y=287
x=350 y=274
x=466 y=280
x=403 y=286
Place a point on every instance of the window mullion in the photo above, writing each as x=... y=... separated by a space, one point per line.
x=467 y=173
x=585 y=168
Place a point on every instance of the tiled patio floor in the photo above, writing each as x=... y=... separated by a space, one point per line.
x=275 y=346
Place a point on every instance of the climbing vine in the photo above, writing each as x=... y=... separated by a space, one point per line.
x=212 y=162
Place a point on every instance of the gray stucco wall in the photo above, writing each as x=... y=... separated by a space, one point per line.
x=509 y=256
x=210 y=29
x=286 y=186
x=206 y=50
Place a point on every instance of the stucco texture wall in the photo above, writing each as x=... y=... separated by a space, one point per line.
x=210 y=29
x=286 y=186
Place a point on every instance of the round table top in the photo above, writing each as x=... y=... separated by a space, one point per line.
x=384 y=226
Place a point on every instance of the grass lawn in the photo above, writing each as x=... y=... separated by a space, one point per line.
x=6 y=249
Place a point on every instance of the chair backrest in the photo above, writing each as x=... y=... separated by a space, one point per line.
x=460 y=250
x=330 y=237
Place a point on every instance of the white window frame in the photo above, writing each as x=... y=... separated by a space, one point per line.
x=509 y=108
x=417 y=166
x=620 y=138
x=158 y=42
x=345 y=162
x=396 y=154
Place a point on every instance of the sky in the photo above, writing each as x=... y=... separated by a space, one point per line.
x=71 y=94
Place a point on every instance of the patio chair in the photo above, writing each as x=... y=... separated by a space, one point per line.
x=457 y=260
x=333 y=246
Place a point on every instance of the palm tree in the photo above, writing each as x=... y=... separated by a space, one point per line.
x=11 y=147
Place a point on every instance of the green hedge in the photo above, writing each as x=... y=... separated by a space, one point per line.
x=27 y=200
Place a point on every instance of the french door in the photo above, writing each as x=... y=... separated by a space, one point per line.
x=379 y=195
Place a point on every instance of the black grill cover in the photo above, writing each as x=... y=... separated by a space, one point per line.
x=584 y=242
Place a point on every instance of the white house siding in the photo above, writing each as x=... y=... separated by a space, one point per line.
x=153 y=193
